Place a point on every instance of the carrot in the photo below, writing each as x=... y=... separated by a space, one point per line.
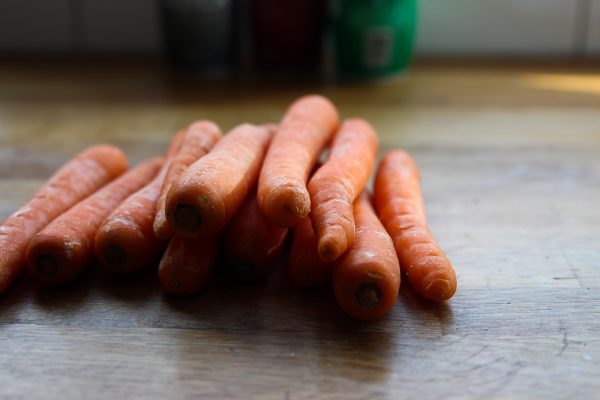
x=305 y=268
x=77 y=179
x=400 y=207
x=62 y=249
x=200 y=137
x=307 y=126
x=366 y=279
x=204 y=198
x=251 y=243
x=186 y=264
x=335 y=186
x=174 y=148
x=126 y=242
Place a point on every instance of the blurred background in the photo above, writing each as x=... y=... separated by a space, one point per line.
x=340 y=38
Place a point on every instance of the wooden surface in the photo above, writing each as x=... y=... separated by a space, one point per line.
x=510 y=161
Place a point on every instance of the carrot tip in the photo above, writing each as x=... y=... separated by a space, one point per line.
x=46 y=265
x=368 y=295
x=187 y=217
x=438 y=290
x=296 y=201
x=115 y=256
x=327 y=254
x=242 y=269
x=328 y=250
x=299 y=211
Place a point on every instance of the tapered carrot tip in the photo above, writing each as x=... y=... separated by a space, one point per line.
x=436 y=287
x=439 y=290
x=328 y=251
x=368 y=295
x=187 y=217
x=297 y=206
x=294 y=204
x=330 y=246
x=46 y=265
x=114 y=256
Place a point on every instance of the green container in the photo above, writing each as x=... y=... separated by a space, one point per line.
x=372 y=38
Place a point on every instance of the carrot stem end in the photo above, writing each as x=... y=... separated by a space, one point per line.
x=46 y=265
x=115 y=256
x=187 y=217
x=368 y=295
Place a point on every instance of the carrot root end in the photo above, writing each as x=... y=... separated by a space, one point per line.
x=295 y=211
x=327 y=254
x=438 y=290
x=329 y=249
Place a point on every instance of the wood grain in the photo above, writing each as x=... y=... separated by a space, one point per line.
x=511 y=176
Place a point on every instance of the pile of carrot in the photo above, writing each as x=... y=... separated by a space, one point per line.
x=244 y=201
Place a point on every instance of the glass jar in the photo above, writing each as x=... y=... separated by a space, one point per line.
x=372 y=38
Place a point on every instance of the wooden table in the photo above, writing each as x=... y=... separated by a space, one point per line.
x=510 y=161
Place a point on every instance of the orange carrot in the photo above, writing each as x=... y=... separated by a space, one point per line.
x=399 y=203
x=62 y=249
x=335 y=186
x=77 y=179
x=126 y=242
x=306 y=128
x=251 y=243
x=305 y=267
x=204 y=198
x=186 y=264
x=366 y=279
x=200 y=137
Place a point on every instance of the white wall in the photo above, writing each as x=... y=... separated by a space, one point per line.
x=593 y=38
x=446 y=27
x=520 y=27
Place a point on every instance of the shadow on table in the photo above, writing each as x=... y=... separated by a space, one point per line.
x=297 y=326
x=94 y=288
x=307 y=325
